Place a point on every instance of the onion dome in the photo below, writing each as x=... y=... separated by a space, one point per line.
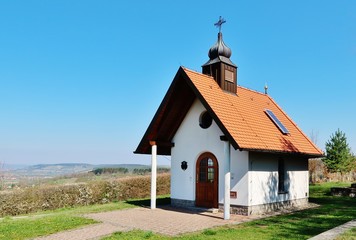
x=219 y=52
x=219 y=49
x=219 y=65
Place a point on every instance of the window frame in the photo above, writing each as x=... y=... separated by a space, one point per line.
x=281 y=177
x=205 y=120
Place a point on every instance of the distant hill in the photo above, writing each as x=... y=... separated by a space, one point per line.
x=52 y=170
x=128 y=166
x=14 y=166
x=60 y=166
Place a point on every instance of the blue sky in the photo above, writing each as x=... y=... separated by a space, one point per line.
x=81 y=80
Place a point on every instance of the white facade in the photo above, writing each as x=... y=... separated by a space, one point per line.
x=264 y=179
x=254 y=176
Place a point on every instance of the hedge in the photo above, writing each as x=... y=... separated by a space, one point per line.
x=52 y=197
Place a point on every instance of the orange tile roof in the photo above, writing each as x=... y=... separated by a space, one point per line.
x=243 y=115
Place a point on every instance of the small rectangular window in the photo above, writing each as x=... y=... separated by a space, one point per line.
x=281 y=176
x=276 y=121
x=229 y=75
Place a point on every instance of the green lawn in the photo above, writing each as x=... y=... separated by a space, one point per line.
x=333 y=211
x=11 y=228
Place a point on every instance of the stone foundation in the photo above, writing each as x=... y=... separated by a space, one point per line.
x=249 y=210
x=266 y=208
x=271 y=207
x=235 y=209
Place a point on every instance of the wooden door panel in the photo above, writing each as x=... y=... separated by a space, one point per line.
x=207 y=181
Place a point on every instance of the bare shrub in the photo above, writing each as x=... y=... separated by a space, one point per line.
x=319 y=173
x=52 y=197
x=317 y=170
x=341 y=177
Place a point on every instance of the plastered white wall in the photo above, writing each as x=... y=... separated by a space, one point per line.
x=263 y=177
x=239 y=177
x=190 y=142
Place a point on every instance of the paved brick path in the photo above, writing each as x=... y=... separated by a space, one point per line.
x=167 y=221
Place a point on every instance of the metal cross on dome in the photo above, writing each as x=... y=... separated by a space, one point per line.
x=219 y=23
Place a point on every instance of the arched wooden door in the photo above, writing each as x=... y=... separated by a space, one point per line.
x=207 y=170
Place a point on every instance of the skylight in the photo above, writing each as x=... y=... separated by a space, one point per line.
x=276 y=121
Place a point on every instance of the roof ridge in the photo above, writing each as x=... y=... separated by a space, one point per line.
x=196 y=72
x=239 y=86
x=193 y=71
x=252 y=90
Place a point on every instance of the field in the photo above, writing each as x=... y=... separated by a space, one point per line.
x=68 y=173
x=333 y=211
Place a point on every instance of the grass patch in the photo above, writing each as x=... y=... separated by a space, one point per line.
x=15 y=228
x=91 y=209
x=348 y=235
x=209 y=232
x=135 y=235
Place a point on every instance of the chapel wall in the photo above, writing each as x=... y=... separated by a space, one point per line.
x=190 y=142
x=264 y=178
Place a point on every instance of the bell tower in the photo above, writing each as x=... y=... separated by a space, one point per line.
x=219 y=65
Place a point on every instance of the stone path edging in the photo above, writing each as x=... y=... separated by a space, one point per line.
x=333 y=233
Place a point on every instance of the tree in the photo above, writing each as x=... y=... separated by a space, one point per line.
x=338 y=153
x=314 y=136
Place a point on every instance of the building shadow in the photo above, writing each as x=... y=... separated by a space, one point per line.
x=165 y=204
x=288 y=146
x=274 y=199
x=162 y=201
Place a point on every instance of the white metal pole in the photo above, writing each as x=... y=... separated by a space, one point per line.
x=153 y=175
x=227 y=181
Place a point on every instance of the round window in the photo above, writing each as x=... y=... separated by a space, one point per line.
x=205 y=120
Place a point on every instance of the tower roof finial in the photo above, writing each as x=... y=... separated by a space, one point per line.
x=266 y=88
x=220 y=49
x=219 y=52
x=219 y=23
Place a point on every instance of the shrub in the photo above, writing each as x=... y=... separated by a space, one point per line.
x=100 y=171
x=319 y=173
x=52 y=197
x=317 y=170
